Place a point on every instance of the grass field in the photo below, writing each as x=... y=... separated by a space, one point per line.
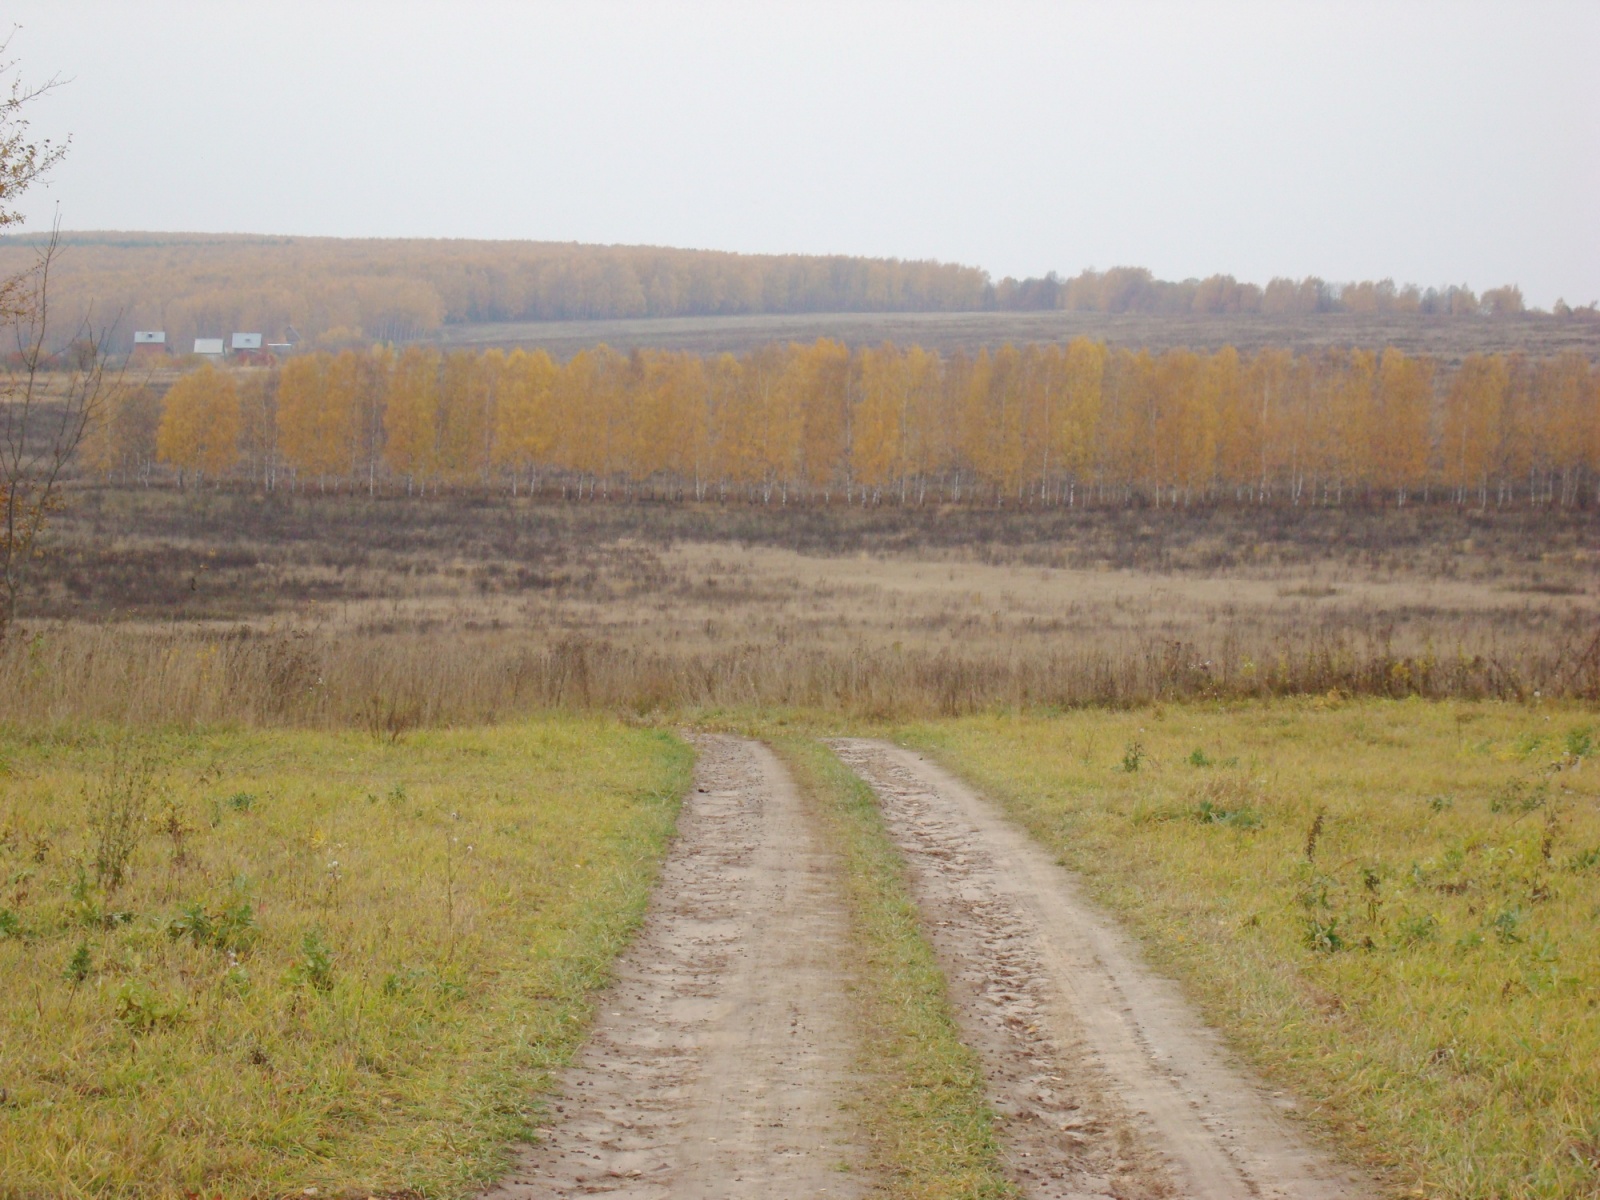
x=1393 y=907
x=932 y=1134
x=249 y=964
x=1449 y=340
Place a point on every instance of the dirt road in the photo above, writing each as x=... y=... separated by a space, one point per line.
x=720 y=1063
x=1105 y=1081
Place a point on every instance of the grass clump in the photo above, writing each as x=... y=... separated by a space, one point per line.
x=931 y=1131
x=227 y=969
x=1403 y=926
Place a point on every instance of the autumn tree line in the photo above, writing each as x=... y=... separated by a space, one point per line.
x=334 y=292
x=1064 y=424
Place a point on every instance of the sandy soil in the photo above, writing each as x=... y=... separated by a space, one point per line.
x=1105 y=1081
x=720 y=1063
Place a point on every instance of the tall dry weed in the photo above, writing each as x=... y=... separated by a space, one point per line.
x=391 y=683
x=116 y=805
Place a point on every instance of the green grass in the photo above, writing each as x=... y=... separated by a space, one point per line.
x=329 y=963
x=1393 y=907
x=931 y=1131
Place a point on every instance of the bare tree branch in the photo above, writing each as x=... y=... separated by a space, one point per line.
x=47 y=398
x=22 y=162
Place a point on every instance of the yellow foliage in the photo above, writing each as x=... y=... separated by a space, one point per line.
x=199 y=431
x=1032 y=424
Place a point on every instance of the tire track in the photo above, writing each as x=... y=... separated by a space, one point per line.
x=721 y=1060
x=1105 y=1081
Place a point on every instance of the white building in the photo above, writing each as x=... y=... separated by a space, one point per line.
x=149 y=337
x=211 y=347
x=246 y=341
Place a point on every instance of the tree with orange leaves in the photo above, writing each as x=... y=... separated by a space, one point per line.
x=199 y=432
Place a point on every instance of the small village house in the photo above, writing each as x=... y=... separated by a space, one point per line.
x=149 y=343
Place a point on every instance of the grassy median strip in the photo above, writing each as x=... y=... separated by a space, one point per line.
x=932 y=1135
x=1393 y=906
x=247 y=964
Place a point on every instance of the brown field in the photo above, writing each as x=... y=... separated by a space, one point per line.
x=1448 y=339
x=333 y=609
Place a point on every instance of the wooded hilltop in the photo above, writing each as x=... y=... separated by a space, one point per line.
x=334 y=292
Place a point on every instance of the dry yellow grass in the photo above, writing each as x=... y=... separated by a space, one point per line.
x=1394 y=908
x=238 y=964
x=697 y=597
x=333 y=610
x=390 y=683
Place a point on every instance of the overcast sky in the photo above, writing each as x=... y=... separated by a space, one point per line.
x=1430 y=142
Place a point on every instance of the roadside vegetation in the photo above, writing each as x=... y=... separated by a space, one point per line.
x=253 y=964
x=1392 y=907
x=930 y=1128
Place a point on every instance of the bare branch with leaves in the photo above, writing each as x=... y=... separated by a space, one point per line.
x=50 y=389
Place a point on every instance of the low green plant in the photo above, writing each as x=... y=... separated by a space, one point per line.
x=1526 y=744
x=1323 y=935
x=1519 y=797
x=1507 y=924
x=230 y=927
x=1228 y=798
x=142 y=1009
x=314 y=967
x=1244 y=817
x=1418 y=928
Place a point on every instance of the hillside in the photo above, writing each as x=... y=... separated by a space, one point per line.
x=333 y=292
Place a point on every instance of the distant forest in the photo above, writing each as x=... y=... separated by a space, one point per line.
x=334 y=292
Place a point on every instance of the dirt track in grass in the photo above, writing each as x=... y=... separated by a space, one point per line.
x=720 y=1063
x=1105 y=1081
x=723 y=1061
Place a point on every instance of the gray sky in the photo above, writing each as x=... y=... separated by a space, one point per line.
x=1431 y=142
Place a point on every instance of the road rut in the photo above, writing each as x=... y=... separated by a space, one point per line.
x=720 y=1062
x=1104 y=1080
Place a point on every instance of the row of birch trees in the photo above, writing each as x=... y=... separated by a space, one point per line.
x=1065 y=424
